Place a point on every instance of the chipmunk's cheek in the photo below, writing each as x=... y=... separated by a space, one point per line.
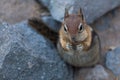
x=83 y=36
x=70 y=38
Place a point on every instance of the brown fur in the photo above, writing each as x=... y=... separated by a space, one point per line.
x=73 y=21
x=88 y=40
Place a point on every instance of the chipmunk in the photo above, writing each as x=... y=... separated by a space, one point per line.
x=78 y=43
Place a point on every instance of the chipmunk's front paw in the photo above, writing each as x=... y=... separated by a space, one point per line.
x=80 y=47
x=68 y=46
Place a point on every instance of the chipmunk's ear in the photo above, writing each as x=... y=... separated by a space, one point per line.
x=66 y=13
x=80 y=13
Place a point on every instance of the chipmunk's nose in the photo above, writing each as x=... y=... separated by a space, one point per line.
x=73 y=39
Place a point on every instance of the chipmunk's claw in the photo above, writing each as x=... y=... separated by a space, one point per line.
x=79 y=47
x=69 y=46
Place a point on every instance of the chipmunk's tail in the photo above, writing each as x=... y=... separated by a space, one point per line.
x=43 y=29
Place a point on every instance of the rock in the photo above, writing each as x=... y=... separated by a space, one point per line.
x=108 y=30
x=96 y=73
x=113 y=61
x=51 y=23
x=92 y=9
x=45 y=2
x=27 y=55
x=13 y=11
x=57 y=7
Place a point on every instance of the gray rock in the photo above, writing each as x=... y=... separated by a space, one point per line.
x=96 y=73
x=108 y=30
x=113 y=61
x=26 y=55
x=51 y=23
x=57 y=7
x=45 y=2
x=13 y=11
x=4 y=41
x=92 y=9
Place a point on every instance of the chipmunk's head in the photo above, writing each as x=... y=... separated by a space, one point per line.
x=74 y=27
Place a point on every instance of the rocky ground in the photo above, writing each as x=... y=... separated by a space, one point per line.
x=13 y=11
x=28 y=55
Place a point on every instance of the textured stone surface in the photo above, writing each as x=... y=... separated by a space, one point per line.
x=45 y=2
x=57 y=7
x=26 y=55
x=51 y=23
x=108 y=28
x=96 y=73
x=13 y=11
x=113 y=61
x=92 y=9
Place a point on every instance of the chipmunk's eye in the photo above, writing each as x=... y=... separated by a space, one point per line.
x=65 y=28
x=81 y=28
